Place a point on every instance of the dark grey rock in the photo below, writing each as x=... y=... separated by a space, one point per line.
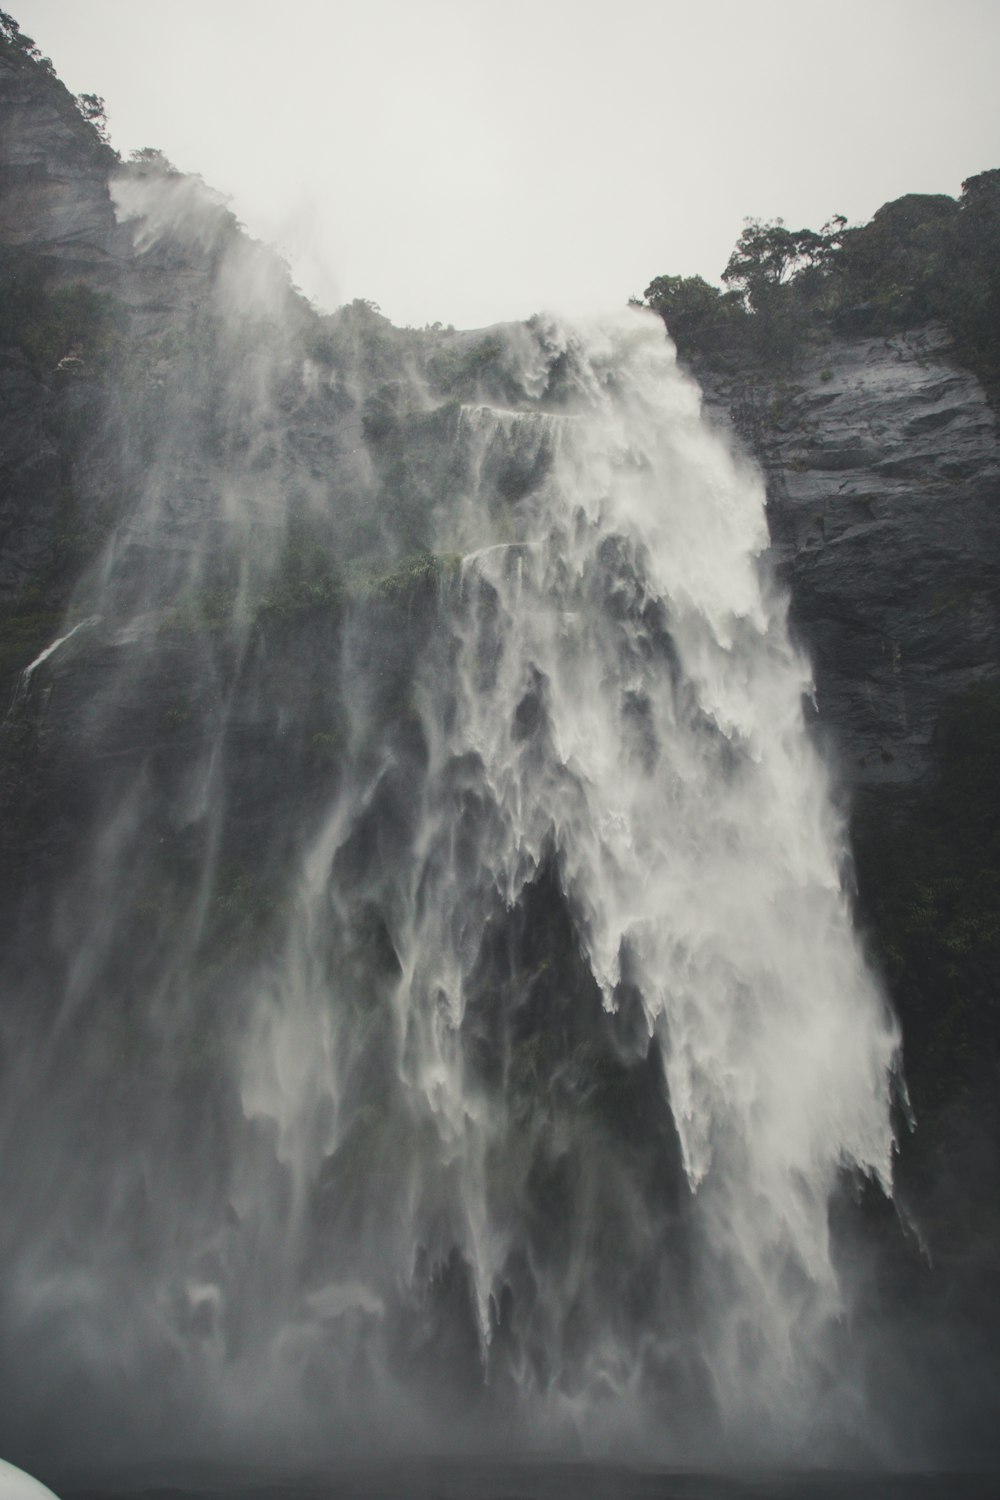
x=883 y=486
x=54 y=195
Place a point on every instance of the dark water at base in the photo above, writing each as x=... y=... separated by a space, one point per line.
x=548 y=1481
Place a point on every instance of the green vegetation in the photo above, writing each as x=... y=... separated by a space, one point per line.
x=358 y=341
x=177 y=714
x=13 y=41
x=922 y=257
x=701 y=319
x=309 y=579
x=148 y=159
x=463 y=371
x=58 y=327
x=769 y=256
x=94 y=111
x=413 y=577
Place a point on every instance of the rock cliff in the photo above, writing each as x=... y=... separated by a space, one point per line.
x=54 y=196
x=883 y=476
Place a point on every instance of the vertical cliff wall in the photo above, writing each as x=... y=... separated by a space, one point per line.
x=883 y=475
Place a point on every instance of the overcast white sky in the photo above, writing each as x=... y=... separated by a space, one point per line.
x=466 y=161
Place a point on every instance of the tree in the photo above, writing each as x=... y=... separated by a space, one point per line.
x=768 y=255
x=697 y=315
x=12 y=34
x=923 y=256
x=94 y=111
x=13 y=38
x=980 y=206
x=895 y=271
x=155 y=160
x=973 y=286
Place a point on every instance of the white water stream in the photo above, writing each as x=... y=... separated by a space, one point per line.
x=622 y=701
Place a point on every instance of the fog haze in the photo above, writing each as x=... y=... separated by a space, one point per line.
x=464 y=162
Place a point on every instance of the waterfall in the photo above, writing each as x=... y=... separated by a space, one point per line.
x=436 y=1018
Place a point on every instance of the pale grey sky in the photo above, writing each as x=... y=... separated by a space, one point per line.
x=465 y=161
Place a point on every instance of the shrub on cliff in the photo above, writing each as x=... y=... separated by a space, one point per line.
x=700 y=317
x=51 y=324
x=769 y=256
x=973 y=305
x=888 y=273
x=923 y=256
x=13 y=40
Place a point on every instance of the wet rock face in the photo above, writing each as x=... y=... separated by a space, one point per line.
x=29 y=474
x=883 y=479
x=58 y=230
x=53 y=173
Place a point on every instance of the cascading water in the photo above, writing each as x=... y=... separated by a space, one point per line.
x=441 y=1022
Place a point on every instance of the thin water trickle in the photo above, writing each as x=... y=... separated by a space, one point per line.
x=50 y=650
